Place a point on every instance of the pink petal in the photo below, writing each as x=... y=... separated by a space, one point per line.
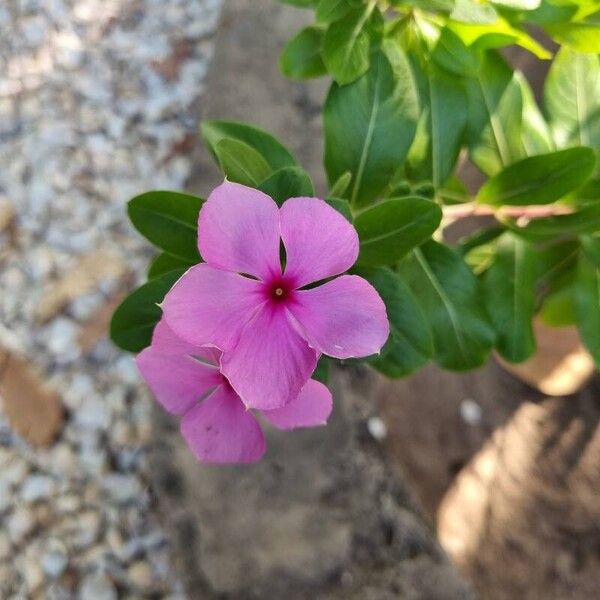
x=311 y=408
x=343 y=318
x=221 y=430
x=319 y=242
x=238 y=230
x=271 y=362
x=208 y=306
x=176 y=379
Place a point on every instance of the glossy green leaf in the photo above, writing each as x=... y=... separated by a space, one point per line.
x=165 y=263
x=548 y=13
x=536 y=135
x=571 y=96
x=289 y=182
x=391 y=228
x=581 y=36
x=587 y=305
x=410 y=344
x=495 y=109
x=340 y=187
x=485 y=36
x=134 y=320
x=301 y=56
x=452 y=54
x=329 y=11
x=517 y=4
x=241 y=163
x=272 y=150
x=479 y=238
x=509 y=292
x=585 y=220
x=346 y=45
x=169 y=220
x=370 y=125
x=470 y=11
x=342 y=206
x=450 y=296
x=539 y=179
x=439 y=135
x=558 y=306
x=591 y=247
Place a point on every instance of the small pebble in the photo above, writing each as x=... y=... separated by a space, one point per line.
x=470 y=411
x=377 y=428
x=97 y=587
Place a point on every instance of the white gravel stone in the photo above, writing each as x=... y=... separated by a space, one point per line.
x=55 y=559
x=123 y=489
x=37 y=487
x=98 y=587
x=85 y=123
x=20 y=524
x=140 y=574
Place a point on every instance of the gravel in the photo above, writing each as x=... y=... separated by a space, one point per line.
x=97 y=100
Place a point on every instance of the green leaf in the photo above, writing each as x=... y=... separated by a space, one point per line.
x=586 y=220
x=240 y=163
x=591 y=247
x=587 y=305
x=346 y=45
x=437 y=143
x=289 y=182
x=301 y=56
x=582 y=36
x=509 y=293
x=272 y=150
x=134 y=320
x=341 y=206
x=469 y=11
x=321 y=372
x=165 y=263
x=517 y=4
x=169 y=220
x=391 y=228
x=555 y=260
x=370 y=124
x=539 y=179
x=558 y=307
x=494 y=115
x=452 y=54
x=571 y=96
x=483 y=36
x=586 y=195
x=536 y=136
x=329 y=11
x=410 y=344
x=340 y=187
x=449 y=295
x=479 y=238
x=548 y=13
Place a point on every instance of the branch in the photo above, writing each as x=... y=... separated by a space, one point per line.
x=473 y=209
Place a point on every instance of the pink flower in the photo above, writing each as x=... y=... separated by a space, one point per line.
x=214 y=422
x=270 y=328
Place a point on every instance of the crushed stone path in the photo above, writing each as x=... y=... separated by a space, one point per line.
x=98 y=102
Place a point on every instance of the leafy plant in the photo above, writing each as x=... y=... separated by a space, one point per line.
x=418 y=88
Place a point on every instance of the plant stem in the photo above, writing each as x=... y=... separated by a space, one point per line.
x=473 y=209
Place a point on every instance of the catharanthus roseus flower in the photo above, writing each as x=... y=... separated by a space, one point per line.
x=214 y=422
x=270 y=327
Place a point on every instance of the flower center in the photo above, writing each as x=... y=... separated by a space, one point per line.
x=279 y=290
